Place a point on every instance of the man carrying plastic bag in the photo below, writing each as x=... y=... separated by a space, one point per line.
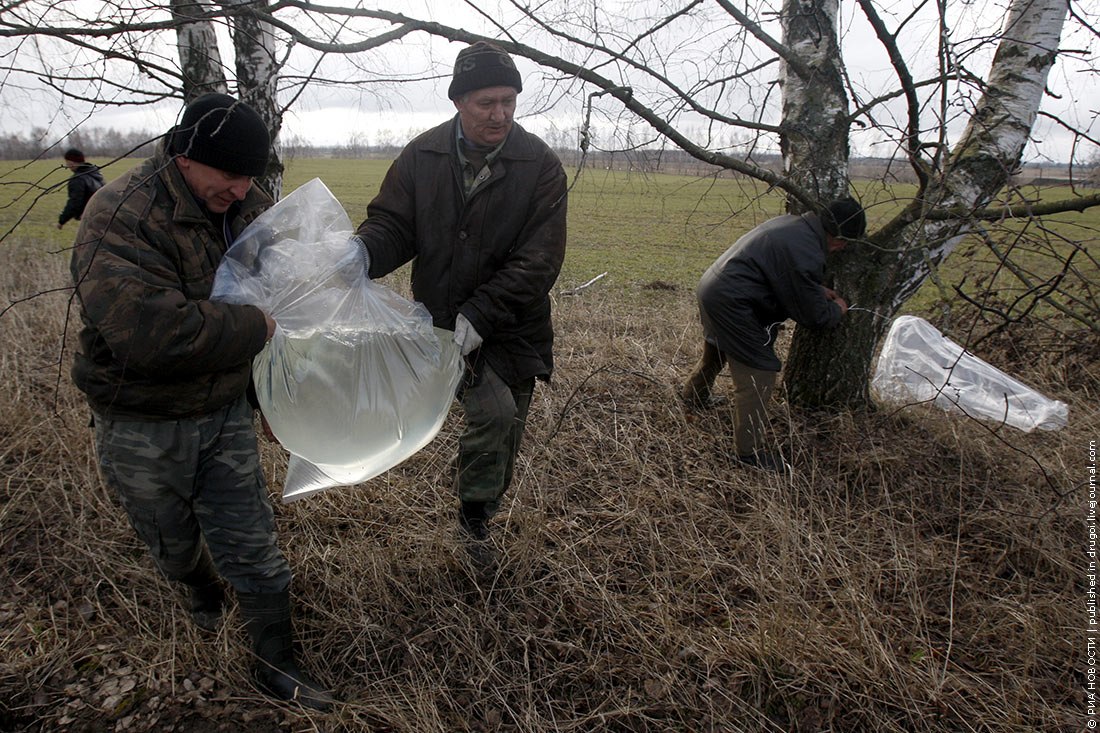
x=356 y=379
x=478 y=205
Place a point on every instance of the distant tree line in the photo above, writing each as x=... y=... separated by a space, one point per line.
x=108 y=144
x=93 y=142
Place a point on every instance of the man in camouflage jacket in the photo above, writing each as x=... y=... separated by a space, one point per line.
x=166 y=373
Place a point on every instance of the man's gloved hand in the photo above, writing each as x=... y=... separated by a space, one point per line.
x=466 y=336
x=354 y=239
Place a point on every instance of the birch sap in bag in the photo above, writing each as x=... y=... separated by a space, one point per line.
x=331 y=395
x=356 y=378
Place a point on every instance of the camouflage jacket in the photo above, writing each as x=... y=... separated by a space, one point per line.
x=152 y=347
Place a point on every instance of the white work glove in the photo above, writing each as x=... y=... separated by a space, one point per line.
x=356 y=241
x=466 y=336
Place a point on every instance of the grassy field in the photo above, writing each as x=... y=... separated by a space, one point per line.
x=639 y=228
x=916 y=572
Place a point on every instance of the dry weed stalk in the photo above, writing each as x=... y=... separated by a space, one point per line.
x=914 y=574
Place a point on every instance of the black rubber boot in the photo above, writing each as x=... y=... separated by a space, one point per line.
x=207 y=594
x=765 y=460
x=473 y=521
x=473 y=518
x=267 y=618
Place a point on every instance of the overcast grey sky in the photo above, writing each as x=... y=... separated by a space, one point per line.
x=337 y=116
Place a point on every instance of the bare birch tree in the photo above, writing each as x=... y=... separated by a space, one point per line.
x=955 y=191
x=728 y=83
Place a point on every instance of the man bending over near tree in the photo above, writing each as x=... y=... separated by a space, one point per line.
x=772 y=273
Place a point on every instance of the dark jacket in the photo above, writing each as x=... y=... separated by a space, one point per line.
x=152 y=346
x=772 y=273
x=492 y=258
x=85 y=181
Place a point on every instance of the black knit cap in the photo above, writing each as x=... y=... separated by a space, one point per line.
x=483 y=65
x=74 y=155
x=224 y=133
x=844 y=218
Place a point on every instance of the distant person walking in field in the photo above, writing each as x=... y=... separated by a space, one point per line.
x=85 y=181
x=480 y=204
x=772 y=273
x=165 y=371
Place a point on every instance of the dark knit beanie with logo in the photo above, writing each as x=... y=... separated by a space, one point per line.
x=74 y=155
x=223 y=133
x=844 y=218
x=483 y=65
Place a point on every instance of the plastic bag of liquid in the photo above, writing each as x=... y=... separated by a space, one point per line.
x=356 y=378
x=919 y=364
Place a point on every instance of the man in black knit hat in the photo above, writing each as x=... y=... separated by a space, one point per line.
x=480 y=204
x=772 y=273
x=165 y=371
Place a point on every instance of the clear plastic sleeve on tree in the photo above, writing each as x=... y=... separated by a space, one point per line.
x=920 y=364
x=356 y=378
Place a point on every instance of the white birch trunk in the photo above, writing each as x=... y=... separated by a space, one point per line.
x=200 y=59
x=814 y=141
x=993 y=143
x=833 y=368
x=257 y=76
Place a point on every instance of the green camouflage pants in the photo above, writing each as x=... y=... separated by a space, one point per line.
x=496 y=416
x=181 y=481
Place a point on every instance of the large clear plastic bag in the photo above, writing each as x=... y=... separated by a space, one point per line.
x=918 y=364
x=356 y=378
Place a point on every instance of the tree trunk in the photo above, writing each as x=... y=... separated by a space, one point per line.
x=257 y=75
x=815 y=150
x=814 y=132
x=833 y=368
x=200 y=59
x=255 y=65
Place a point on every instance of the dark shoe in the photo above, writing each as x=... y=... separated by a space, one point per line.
x=765 y=461
x=207 y=594
x=207 y=606
x=708 y=404
x=267 y=618
x=473 y=520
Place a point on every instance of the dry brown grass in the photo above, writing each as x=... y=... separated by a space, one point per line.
x=917 y=573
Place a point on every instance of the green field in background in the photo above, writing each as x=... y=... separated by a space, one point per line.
x=640 y=228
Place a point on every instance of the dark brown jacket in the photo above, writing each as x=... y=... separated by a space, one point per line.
x=152 y=346
x=772 y=273
x=492 y=258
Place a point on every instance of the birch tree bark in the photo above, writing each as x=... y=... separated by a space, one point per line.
x=833 y=368
x=813 y=134
x=200 y=59
x=255 y=64
x=257 y=71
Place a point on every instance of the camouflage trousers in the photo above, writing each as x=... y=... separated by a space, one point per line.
x=496 y=415
x=195 y=480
